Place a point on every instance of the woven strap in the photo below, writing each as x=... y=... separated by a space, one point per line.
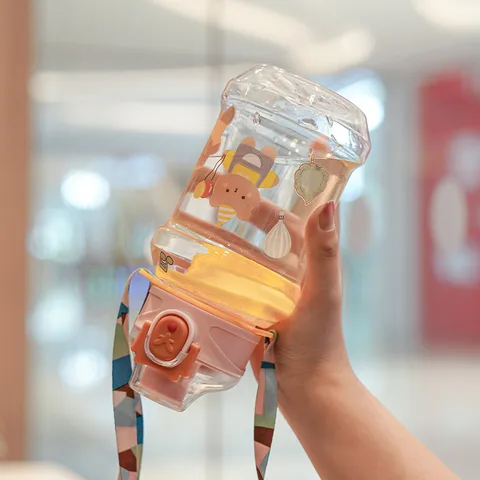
x=265 y=408
x=127 y=404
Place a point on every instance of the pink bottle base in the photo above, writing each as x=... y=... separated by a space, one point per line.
x=223 y=351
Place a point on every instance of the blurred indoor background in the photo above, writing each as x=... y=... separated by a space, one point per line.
x=122 y=96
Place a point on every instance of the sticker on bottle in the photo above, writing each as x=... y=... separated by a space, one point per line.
x=165 y=261
x=278 y=241
x=235 y=193
x=311 y=179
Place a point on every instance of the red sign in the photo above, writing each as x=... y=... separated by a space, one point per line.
x=450 y=211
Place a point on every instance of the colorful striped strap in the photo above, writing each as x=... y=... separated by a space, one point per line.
x=127 y=404
x=265 y=408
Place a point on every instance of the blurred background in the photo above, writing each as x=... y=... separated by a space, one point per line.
x=121 y=96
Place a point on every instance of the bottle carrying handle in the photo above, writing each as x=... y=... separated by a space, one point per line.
x=127 y=404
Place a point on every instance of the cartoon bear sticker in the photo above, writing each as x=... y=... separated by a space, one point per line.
x=236 y=193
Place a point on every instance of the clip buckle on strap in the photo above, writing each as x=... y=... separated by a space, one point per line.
x=127 y=404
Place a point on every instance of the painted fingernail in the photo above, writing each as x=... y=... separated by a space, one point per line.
x=327 y=216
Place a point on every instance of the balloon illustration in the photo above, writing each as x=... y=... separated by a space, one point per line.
x=278 y=242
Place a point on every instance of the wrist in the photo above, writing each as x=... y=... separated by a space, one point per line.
x=297 y=391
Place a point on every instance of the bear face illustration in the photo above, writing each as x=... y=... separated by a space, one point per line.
x=236 y=192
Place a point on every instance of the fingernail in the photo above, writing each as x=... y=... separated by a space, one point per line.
x=327 y=216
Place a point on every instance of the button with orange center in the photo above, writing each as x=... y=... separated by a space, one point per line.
x=168 y=338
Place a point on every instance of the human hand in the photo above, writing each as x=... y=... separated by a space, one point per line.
x=344 y=429
x=310 y=342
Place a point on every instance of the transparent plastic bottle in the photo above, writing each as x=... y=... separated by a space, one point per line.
x=233 y=247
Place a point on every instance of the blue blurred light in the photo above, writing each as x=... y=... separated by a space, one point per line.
x=355 y=186
x=83 y=369
x=55 y=236
x=85 y=190
x=368 y=94
x=57 y=317
x=139 y=172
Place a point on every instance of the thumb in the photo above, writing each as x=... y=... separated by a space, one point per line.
x=322 y=280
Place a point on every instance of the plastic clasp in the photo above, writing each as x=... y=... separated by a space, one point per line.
x=167 y=344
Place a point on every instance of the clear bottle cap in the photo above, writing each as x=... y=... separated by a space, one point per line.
x=270 y=94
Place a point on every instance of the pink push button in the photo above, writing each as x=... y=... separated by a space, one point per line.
x=168 y=337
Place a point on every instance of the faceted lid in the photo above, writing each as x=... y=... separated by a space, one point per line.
x=308 y=105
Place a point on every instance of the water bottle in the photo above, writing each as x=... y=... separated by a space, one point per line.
x=229 y=261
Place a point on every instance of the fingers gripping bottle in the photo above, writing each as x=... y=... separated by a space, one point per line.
x=229 y=261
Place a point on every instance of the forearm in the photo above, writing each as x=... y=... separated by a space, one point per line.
x=349 y=435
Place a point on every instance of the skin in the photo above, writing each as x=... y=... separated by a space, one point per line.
x=345 y=430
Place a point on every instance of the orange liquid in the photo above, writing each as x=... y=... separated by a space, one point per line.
x=235 y=283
